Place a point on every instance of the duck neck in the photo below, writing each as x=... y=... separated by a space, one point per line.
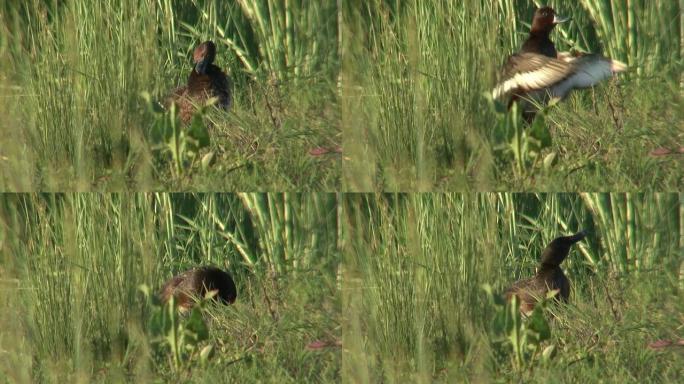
x=539 y=42
x=196 y=76
x=540 y=33
x=542 y=36
x=547 y=268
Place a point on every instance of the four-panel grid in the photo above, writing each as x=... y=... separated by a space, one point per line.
x=308 y=191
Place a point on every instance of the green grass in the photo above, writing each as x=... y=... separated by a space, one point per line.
x=406 y=299
x=412 y=79
x=72 y=266
x=73 y=115
x=415 y=266
x=416 y=115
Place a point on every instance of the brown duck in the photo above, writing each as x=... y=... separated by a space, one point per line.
x=549 y=277
x=195 y=283
x=539 y=73
x=205 y=81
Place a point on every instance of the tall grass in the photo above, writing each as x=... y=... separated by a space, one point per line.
x=415 y=72
x=416 y=264
x=419 y=74
x=298 y=38
x=77 y=261
x=623 y=27
x=75 y=72
x=72 y=265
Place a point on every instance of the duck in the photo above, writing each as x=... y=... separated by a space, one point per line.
x=549 y=276
x=194 y=284
x=538 y=41
x=205 y=81
x=539 y=73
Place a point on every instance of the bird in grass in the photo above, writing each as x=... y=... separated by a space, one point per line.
x=194 y=284
x=549 y=277
x=205 y=81
x=539 y=74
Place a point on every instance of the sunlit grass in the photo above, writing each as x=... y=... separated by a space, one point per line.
x=416 y=263
x=74 y=74
x=419 y=75
x=72 y=267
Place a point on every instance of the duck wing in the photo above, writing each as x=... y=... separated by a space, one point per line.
x=182 y=97
x=221 y=86
x=171 y=286
x=589 y=70
x=214 y=83
x=174 y=96
x=528 y=292
x=529 y=72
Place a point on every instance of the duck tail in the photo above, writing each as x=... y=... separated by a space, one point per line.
x=617 y=66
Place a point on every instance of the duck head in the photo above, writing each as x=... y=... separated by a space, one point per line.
x=204 y=55
x=227 y=293
x=558 y=249
x=545 y=19
x=218 y=280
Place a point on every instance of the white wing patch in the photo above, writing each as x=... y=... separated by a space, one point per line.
x=560 y=76
x=539 y=79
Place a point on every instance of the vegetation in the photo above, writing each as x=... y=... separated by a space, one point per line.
x=77 y=75
x=417 y=77
x=416 y=266
x=405 y=88
x=79 y=274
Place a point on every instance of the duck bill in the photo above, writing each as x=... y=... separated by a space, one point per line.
x=578 y=236
x=559 y=19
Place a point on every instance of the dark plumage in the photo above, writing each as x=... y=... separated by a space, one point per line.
x=543 y=22
x=549 y=277
x=195 y=283
x=537 y=77
x=204 y=82
x=538 y=73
